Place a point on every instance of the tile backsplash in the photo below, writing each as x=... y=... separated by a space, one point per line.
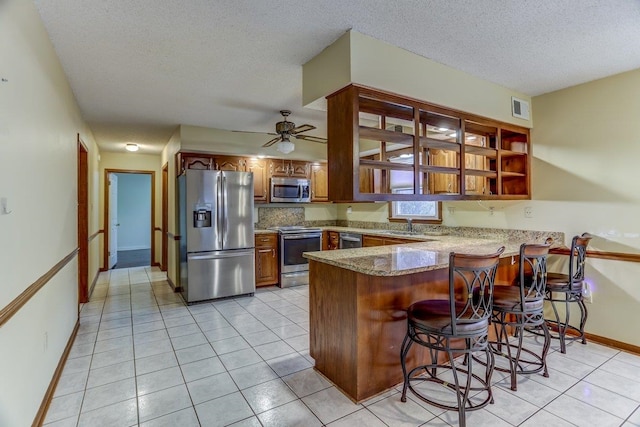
x=278 y=216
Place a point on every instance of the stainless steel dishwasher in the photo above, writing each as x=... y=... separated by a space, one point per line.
x=350 y=240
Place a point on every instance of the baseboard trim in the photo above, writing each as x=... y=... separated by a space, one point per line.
x=155 y=264
x=173 y=285
x=93 y=284
x=46 y=400
x=609 y=342
x=630 y=348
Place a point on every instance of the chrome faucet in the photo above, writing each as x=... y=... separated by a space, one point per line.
x=409 y=225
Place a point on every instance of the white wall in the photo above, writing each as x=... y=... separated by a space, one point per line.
x=134 y=211
x=39 y=123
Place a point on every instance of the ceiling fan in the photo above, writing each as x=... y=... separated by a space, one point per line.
x=287 y=130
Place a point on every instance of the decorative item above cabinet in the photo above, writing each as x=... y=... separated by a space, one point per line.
x=385 y=147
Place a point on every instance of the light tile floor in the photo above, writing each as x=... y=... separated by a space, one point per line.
x=144 y=358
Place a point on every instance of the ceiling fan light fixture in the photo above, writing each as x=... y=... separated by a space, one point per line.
x=285 y=146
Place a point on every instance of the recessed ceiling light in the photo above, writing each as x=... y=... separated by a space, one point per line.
x=453 y=135
x=131 y=147
x=443 y=129
x=405 y=156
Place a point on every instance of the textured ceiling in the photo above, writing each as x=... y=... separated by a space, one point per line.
x=140 y=68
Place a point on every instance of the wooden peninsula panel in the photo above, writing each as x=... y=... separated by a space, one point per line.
x=358 y=322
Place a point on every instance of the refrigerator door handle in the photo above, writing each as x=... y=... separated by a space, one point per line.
x=220 y=201
x=219 y=254
x=225 y=212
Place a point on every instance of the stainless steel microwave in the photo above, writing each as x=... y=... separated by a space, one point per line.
x=290 y=190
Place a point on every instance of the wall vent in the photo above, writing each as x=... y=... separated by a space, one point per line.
x=519 y=108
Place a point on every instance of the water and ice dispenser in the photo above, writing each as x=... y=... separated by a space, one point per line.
x=202 y=216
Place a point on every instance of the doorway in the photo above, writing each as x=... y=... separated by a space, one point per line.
x=129 y=219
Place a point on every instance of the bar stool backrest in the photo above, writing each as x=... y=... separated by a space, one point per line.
x=577 y=258
x=533 y=272
x=471 y=275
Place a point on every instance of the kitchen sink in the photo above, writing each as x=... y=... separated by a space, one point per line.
x=402 y=233
x=415 y=233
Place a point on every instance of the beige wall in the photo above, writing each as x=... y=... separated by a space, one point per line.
x=127 y=161
x=168 y=157
x=586 y=143
x=357 y=58
x=39 y=123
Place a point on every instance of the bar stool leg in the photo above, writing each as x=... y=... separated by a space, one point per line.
x=545 y=348
x=583 y=317
x=404 y=350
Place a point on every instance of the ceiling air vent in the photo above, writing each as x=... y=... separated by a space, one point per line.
x=519 y=108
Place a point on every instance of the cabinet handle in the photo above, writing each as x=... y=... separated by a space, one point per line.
x=264 y=250
x=273 y=253
x=264 y=240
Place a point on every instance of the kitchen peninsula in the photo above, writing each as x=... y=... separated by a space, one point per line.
x=357 y=301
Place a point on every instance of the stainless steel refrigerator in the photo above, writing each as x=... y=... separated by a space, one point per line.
x=217 y=243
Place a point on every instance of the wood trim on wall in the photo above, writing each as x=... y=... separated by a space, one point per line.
x=96 y=234
x=46 y=400
x=164 y=214
x=82 y=183
x=14 y=306
x=616 y=256
x=157 y=229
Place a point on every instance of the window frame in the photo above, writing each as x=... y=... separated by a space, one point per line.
x=437 y=219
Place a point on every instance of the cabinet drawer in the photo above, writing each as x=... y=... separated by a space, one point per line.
x=266 y=240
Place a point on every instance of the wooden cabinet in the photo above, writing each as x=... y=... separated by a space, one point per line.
x=259 y=167
x=319 y=183
x=230 y=163
x=202 y=161
x=332 y=240
x=369 y=240
x=266 y=259
x=289 y=168
x=386 y=147
x=260 y=171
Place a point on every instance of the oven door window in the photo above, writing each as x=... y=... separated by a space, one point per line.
x=294 y=247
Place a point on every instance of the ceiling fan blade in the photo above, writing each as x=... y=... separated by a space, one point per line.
x=273 y=141
x=312 y=138
x=261 y=133
x=302 y=128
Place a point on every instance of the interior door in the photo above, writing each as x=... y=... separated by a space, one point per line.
x=113 y=220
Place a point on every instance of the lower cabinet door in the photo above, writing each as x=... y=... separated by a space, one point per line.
x=266 y=266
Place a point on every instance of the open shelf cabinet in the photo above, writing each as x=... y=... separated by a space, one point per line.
x=384 y=146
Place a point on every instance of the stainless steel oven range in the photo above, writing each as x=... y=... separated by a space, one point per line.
x=294 y=240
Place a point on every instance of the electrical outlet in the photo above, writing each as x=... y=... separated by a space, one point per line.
x=528 y=212
x=587 y=295
x=451 y=210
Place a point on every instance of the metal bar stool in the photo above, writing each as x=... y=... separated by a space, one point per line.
x=519 y=307
x=458 y=325
x=567 y=288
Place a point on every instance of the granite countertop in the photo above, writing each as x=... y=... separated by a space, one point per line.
x=409 y=258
